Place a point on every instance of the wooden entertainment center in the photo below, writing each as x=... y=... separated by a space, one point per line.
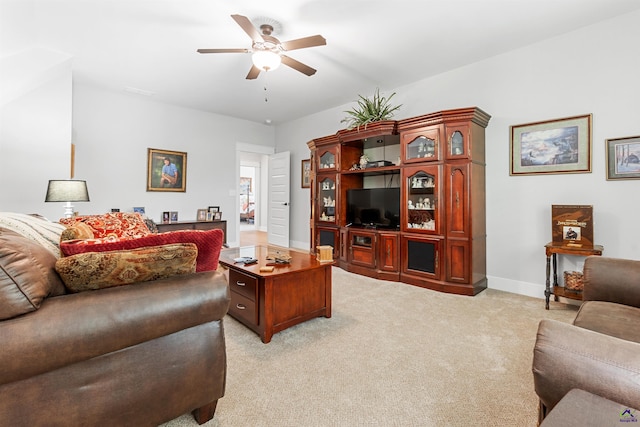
x=438 y=240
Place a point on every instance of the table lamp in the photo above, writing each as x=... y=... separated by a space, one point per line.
x=67 y=190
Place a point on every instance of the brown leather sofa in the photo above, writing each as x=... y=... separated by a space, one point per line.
x=133 y=355
x=600 y=352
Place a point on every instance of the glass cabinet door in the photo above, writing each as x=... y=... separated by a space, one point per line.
x=327 y=199
x=421 y=145
x=457 y=141
x=422 y=202
x=327 y=160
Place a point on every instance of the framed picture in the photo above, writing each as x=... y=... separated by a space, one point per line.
x=306 y=173
x=139 y=210
x=553 y=146
x=217 y=216
x=166 y=217
x=623 y=158
x=166 y=170
x=202 y=215
x=214 y=208
x=174 y=216
x=210 y=216
x=245 y=186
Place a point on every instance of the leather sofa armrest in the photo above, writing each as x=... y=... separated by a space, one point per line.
x=612 y=279
x=567 y=357
x=76 y=327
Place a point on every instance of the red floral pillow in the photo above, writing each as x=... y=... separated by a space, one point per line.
x=209 y=243
x=113 y=224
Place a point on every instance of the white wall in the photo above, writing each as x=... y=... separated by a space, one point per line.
x=112 y=132
x=593 y=70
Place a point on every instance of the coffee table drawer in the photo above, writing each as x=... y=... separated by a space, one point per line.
x=243 y=309
x=243 y=284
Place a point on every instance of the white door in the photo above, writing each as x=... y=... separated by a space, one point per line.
x=278 y=218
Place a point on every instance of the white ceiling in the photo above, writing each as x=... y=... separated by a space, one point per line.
x=151 y=45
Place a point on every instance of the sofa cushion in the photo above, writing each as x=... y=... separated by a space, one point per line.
x=617 y=320
x=35 y=228
x=79 y=230
x=112 y=224
x=27 y=274
x=99 y=270
x=209 y=243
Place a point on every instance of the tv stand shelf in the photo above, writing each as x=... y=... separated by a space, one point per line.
x=436 y=164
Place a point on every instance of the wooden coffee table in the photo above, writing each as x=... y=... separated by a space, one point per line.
x=269 y=302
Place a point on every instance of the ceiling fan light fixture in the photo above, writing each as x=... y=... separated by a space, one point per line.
x=266 y=60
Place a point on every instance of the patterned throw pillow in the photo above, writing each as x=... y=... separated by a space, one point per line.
x=113 y=224
x=79 y=230
x=99 y=270
x=209 y=243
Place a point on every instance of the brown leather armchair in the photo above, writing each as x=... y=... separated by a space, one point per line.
x=600 y=351
x=131 y=355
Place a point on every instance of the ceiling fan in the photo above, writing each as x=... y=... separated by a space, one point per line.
x=268 y=51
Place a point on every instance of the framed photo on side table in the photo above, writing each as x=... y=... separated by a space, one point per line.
x=552 y=146
x=623 y=158
x=202 y=215
x=306 y=173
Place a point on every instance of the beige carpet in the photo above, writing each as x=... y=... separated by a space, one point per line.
x=391 y=355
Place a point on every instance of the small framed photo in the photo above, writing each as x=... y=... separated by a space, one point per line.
x=202 y=215
x=174 y=216
x=552 y=146
x=306 y=173
x=113 y=210
x=214 y=208
x=217 y=216
x=166 y=170
x=623 y=158
x=166 y=217
x=210 y=216
x=139 y=210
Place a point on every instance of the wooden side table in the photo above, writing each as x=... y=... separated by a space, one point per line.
x=552 y=250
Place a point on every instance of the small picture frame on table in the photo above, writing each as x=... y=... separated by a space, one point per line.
x=210 y=216
x=217 y=216
x=174 y=216
x=623 y=158
x=166 y=217
x=214 y=208
x=202 y=215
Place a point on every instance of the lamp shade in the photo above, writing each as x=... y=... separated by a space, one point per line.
x=68 y=190
x=266 y=60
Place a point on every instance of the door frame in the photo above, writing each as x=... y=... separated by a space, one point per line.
x=242 y=147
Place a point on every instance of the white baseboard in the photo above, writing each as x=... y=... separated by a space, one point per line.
x=535 y=290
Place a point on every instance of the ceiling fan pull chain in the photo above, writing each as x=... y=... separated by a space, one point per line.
x=265 y=87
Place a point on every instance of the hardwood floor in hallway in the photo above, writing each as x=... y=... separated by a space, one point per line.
x=253 y=237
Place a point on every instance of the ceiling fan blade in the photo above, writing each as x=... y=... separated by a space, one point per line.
x=223 y=50
x=248 y=28
x=297 y=65
x=253 y=73
x=304 y=42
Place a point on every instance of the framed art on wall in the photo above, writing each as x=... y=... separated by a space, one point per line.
x=623 y=158
x=306 y=173
x=552 y=146
x=166 y=170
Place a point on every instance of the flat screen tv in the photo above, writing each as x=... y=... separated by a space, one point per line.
x=374 y=207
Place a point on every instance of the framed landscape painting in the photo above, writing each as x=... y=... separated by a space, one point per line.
x=552 y=146
x=166 y=170
x=623 y=158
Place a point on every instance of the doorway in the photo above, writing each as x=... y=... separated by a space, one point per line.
x=252 y=194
